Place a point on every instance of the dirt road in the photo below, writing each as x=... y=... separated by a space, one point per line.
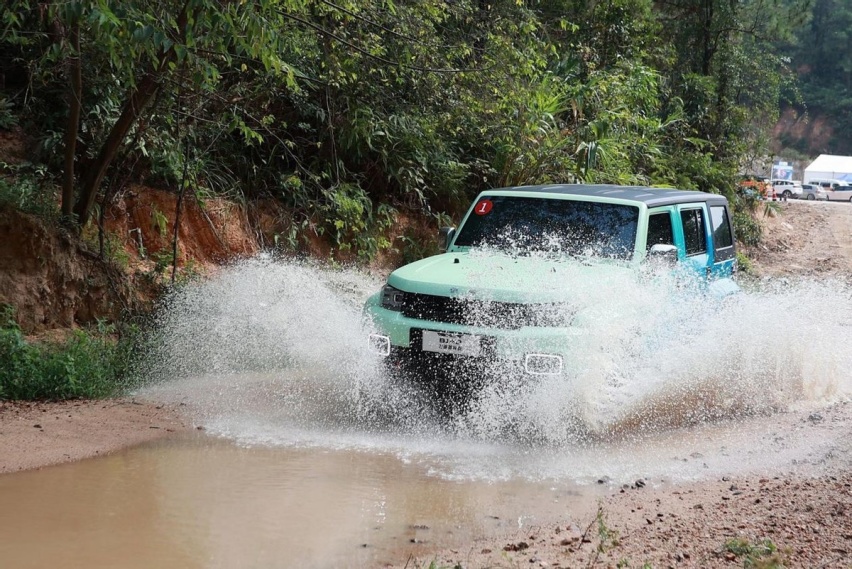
x=806 y=238
x=33 y=435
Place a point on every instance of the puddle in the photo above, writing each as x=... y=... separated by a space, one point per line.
x=197 y=501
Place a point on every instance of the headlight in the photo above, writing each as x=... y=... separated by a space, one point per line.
x=392 y=299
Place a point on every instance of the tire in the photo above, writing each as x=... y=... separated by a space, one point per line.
x=811 y=197
x=787 y=194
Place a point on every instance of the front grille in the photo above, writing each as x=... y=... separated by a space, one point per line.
x=487 y=314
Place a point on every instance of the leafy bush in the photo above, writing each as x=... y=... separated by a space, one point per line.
x=747 y=228
x=8 y=118
x=88 y=364
x=29 y=189
x=355 y=225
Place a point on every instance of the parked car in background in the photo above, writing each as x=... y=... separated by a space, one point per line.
x=839 y=194
x=813 y=192
x=826 y=184
x=787 y=188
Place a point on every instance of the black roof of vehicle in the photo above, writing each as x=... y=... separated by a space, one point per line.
x=652 y=197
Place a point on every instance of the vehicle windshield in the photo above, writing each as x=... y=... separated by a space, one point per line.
x=559 y=226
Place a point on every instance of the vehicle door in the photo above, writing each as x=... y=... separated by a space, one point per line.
x=723 y=249
x=694 y=238
x=842 y=193
x=828 y=189
x=831 y=191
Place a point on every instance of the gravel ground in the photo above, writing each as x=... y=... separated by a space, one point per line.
x=801 y=517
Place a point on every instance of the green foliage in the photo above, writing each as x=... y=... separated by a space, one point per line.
x=744 y=264
x=8 y=118
x=748 y=230
x=29 y=188
x=349 y=112
x=353 y=224
x=414 y=248
x=163 y=259
x=821 y=51
x=607 y=537
x=113 y=246
x=88 y=364
x=160 y=222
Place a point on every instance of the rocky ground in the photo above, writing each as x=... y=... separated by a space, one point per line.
x=732 y=522
x=806 y=239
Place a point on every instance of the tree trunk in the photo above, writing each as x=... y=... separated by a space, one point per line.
x=74 y=106
x=132 y=110
x=145 y=91
x=708 y=45
x=179 y=209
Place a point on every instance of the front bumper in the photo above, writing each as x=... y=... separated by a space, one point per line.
x=532 y=348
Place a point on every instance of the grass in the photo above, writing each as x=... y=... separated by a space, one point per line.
x=87 y=364
x=761 y=555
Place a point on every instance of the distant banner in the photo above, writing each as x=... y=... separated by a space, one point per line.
x=782 y=171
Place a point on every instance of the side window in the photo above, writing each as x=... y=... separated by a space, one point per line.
x=723 y=237
x=660 y=230
x=694 y=231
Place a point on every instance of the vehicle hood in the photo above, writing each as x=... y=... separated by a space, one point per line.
x=503 y=278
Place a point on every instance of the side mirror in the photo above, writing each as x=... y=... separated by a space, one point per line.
x=445 y=237
x=663 y=254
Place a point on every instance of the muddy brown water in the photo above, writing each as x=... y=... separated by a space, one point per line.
x=197 y=501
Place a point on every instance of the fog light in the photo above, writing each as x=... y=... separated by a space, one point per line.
x=379 y=344
x=543 y=364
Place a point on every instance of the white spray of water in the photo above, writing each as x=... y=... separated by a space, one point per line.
x=649 y=349
x=266 y=343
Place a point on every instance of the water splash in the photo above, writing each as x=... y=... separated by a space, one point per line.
x=268 y=342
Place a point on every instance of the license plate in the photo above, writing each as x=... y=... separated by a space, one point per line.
x=451 y=343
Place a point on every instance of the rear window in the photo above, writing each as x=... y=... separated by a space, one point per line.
x=551 y=225
x=722 y=236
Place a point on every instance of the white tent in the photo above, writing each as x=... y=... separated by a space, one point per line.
x=828 y=167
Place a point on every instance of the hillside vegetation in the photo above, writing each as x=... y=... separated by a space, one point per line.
x=348 y=113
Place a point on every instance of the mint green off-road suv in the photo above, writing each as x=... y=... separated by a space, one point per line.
x=503 y=292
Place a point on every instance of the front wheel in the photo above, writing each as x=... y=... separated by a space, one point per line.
x=811 y=197
x=787 y=194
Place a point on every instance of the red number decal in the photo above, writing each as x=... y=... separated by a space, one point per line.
x=483 y=207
